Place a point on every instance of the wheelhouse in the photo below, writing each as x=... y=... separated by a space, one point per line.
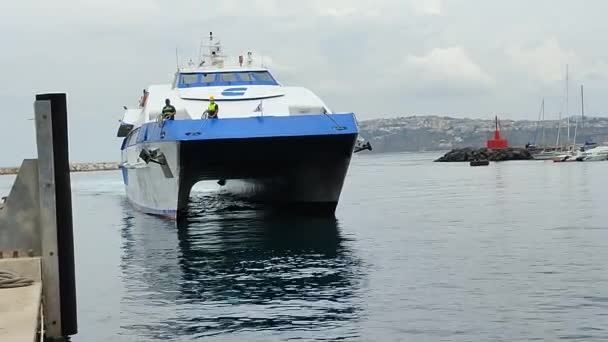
x=224 y=78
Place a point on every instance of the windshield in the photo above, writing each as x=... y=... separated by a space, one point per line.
x=188 y=80
x=262 y=76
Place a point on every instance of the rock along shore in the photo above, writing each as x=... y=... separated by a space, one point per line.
x=469 y=154
x=75 y=167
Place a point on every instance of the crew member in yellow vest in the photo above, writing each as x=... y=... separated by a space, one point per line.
x=168 y=111
x=212 y=109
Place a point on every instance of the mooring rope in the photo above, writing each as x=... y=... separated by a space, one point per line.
x=10 y=279
x=338 y=126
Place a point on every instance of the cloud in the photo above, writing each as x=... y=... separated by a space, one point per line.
x=104 y=52
x=448 y=68
x=428 y=7
x=338 y=12
x=386 y=10
x=546 y=61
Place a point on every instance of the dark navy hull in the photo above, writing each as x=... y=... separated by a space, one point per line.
x=296 y=173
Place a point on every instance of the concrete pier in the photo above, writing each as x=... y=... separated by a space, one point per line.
x=20 y=306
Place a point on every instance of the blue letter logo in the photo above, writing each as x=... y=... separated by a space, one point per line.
x=234 y=91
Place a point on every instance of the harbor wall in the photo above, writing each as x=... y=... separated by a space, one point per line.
x=74 y=167
x=469 y=154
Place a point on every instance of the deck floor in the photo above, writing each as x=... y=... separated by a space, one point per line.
x=20 y=307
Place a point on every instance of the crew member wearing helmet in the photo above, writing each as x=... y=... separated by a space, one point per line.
x=212 y=109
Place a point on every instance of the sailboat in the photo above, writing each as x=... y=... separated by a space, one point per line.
x=559 y=152
x=575 y=153
x=589 y=144
x=568 y=154
x=540 y=153
x=545 y=152
x=590 y=151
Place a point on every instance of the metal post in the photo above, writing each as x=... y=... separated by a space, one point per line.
x=56 y=215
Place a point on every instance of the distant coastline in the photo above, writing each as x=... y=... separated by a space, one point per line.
x=74 y=167
x=436 y=134
x=441 y=133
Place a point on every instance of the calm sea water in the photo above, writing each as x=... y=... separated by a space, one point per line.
x=419 y=251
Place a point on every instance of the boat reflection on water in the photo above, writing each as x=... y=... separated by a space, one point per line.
x=232 y=267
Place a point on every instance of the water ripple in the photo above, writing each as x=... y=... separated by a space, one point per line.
x=421 y=252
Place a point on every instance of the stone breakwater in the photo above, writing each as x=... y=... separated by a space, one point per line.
x=75 y=167
x=469 y=154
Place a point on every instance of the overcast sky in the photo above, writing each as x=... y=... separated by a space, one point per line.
x=383 y=58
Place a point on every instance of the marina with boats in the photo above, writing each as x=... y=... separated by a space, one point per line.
x=569 y=150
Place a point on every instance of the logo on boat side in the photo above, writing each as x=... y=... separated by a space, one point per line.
x=234 y=91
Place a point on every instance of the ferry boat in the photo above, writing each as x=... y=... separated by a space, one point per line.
x=271 y=143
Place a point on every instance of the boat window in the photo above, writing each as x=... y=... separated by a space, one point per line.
x=208 y=78
x=246 y=77
x=228 y=77
x=263 y=76
x=211 y=79
x=132 y=138
x=189 y=79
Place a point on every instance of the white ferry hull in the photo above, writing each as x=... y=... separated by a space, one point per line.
x=147 y=186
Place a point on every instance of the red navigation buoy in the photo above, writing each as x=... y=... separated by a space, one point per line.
x=498 y=143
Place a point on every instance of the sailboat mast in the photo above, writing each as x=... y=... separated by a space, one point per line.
x=559 y=129
x=567 y=109
x=582 y=107
x=575 y=133
x=542 y=110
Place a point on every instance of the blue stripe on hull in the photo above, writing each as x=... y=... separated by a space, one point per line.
x=250 y=127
